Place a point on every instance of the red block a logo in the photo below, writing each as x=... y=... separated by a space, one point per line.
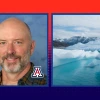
x=37 y=73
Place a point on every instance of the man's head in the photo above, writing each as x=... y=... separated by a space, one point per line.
x=16 y=45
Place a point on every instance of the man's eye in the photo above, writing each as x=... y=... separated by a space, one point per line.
x=2 y=43
x=18 y=42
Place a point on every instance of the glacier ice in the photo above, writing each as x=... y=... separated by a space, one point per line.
x=61 y=56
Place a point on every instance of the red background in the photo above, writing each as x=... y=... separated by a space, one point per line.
x=49 y=6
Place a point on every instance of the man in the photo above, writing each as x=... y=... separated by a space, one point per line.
x=16 y=47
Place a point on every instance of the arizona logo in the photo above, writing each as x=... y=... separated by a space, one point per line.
x=37 y=73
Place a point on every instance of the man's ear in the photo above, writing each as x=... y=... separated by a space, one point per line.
x=32 y=46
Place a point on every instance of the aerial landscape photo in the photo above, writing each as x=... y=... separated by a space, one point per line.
x=76 y=50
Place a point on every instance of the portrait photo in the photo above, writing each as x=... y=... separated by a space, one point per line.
x=23 y=50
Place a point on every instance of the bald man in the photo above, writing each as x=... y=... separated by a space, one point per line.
x=16 y=47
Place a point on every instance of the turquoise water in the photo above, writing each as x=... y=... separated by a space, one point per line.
x=77 y=72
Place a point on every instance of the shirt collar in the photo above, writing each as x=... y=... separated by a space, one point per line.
x=26 y=79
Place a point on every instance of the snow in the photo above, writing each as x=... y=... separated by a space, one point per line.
x=92 y=45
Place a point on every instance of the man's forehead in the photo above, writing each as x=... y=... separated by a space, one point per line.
x=13 y=22
x=12 y=19
x=14 y=25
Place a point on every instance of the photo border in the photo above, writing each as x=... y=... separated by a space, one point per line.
x=31 y=86
x=68 y=86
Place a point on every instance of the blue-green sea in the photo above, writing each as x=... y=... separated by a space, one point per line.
x=77 y=72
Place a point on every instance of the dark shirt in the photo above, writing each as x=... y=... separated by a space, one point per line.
x=28 y=80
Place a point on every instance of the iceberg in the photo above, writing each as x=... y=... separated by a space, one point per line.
x=62 y=56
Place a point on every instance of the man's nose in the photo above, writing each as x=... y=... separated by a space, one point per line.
x=10 y=48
